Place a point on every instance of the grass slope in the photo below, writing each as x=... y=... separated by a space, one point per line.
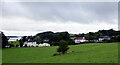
x=84 y=53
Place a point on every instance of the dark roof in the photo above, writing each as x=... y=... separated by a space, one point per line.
x=104 y=37
x=80 y=38
x=12 y=37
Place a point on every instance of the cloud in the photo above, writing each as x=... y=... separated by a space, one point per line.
x=64 y=12
x=60 y=0
x=74 y=17
x=23 y=24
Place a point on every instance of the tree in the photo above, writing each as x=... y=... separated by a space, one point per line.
x=4 y=40
x=54 y=43
x=21 y=43
x=106 y=40
x=118 y=38
x=24 y=38
x=64 y=36
x=38 y=39
x=71 y=42
x=63 y=47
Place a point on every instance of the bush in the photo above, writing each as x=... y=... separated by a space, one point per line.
x=4 y=40
x=25 y=45
x=11 y=45
x=54 y=43
x=106 y=41
x=55 y=54
x=71 y=42
x=17 y=45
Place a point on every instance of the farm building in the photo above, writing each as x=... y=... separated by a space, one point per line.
x=29 y=44
x=104 y=37
x=44 y=44
x=34 y=44
x=46 y=40
x=80 y=39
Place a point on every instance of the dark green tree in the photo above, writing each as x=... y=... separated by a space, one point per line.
x=63 y=47
x=64 y=36
x=24 y=38
x=117 y=38
x=21 y=43
x=54 y=43
x=38 y=39
x=4 y=40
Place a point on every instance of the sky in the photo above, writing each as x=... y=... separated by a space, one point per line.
x=30 y=18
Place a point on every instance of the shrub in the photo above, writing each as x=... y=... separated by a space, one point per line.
x=106 y=41
x=55 y=54
x=54 y=43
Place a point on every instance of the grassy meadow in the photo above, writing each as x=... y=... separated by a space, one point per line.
x=83 y=53
x=14 y=43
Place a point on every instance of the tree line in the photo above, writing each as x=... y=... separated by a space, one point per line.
x=55 y=38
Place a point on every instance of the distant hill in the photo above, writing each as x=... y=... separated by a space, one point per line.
x=13 y=36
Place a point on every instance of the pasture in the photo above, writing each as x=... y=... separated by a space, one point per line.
x=83 y=53
x=14 y=43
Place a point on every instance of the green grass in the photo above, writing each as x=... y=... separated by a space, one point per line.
x=0 y=56
x=84 y=53
x=14 y=42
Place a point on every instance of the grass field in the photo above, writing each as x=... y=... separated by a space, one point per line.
x=14 y=42
x=0 y=56
x=83 y=53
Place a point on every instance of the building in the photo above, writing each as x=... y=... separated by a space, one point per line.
x=30 y=44
x=34 y=44
x=80 y=40
x=46 y=40
x=101 y=38
x=43 y=45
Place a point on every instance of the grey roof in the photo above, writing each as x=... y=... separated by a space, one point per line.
x=104 y=37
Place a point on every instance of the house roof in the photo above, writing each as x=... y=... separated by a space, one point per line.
x=104 y=37
x=80 y=38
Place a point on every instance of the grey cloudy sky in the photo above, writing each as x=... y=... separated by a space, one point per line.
x=74 y=17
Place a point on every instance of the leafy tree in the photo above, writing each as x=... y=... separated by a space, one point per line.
x=21 y=43
x=63 y=47
x=71 y=42
x=118 y=38
x=24 y=38
x=54 y=43
x=57 y=37
x=38 y=39
x=4 y=40
x=45 y=35
x=106 y=41
x=53 y=38
x=65 y=36
x=115 y=38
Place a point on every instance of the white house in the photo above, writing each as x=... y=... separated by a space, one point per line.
x=104 y=37
x=30 y=44
x=44 y=44
x=80 y=39
x=46 y=40
x=40 y=45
